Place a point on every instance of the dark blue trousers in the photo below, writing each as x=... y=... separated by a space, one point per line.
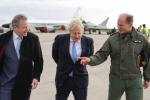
x=5 y=90
x=63 y=91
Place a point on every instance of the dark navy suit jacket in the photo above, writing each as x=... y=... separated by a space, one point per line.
x=30 y=64
x=65 y=64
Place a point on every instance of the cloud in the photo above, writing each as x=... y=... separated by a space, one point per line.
x=91 y=10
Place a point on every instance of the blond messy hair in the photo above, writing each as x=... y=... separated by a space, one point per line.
x=74 y=23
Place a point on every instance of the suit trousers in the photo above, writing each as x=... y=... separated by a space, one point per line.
x=63 y=91
x=5 y=90
x=132 y=87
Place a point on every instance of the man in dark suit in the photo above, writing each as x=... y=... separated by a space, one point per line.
x=21 y=61
x=71 y=75
x=113 y=30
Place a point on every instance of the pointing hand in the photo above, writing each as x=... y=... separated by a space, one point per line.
x=84 y=60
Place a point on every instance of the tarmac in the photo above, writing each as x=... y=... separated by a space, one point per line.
x=98 y=75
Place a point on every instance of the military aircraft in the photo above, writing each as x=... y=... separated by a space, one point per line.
x=48 y=26
x=88 y=26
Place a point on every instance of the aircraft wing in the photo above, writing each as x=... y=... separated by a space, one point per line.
x=61 y=27
x=52 y=28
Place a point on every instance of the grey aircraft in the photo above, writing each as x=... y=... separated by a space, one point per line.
x=48 y=26
x=88 y=26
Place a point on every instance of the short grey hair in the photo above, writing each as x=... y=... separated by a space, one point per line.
x=74 y=23
x=17 y=18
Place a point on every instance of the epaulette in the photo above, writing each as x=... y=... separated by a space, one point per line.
x=113 y=33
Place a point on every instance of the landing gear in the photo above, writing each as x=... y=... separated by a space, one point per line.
x=99 y=32
x=94 y=30
x=53 y=31
x=89 y=31
x=84 y=32
x=41 y=30
x=108 y=32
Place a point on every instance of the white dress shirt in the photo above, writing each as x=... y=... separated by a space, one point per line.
x=78 y=48
x=15 y=39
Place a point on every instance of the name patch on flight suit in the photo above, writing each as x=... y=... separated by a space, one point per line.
x=138 y=41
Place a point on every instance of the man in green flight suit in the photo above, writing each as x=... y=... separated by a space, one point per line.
x=124 y=48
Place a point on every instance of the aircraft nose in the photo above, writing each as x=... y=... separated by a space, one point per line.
x=5 y=25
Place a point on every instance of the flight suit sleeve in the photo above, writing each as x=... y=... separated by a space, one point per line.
x=101 y=55
x=146 y=72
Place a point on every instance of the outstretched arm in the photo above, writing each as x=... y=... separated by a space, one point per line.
x=99 y=57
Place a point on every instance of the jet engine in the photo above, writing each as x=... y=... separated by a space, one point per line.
x=63 y=27
x=48 y=29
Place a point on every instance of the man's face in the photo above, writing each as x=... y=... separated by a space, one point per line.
x=123 y=26
x=140 y=27
x=76 y=34
x=22 y=28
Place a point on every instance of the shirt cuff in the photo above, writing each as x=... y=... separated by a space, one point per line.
x=36 y=79
x=145 y=77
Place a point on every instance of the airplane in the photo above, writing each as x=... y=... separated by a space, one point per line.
x=1 y=30
x=88 y=26
x=48 y=26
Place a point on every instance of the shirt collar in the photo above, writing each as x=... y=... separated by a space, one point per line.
x=73 y=41
x=15 y=36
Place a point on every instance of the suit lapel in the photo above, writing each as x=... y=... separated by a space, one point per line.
x=24 y=39
x=13 y=46
x=67 y=47
x=24 y=43
x=83 y=45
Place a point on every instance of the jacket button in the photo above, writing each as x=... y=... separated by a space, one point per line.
x=18 y=63
x=122 y=48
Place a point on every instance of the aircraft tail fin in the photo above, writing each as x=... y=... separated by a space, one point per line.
x=104 y=23
x=76 y=15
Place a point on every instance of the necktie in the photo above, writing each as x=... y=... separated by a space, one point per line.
x=74 y=52
x=18 y=47
x=74 y=58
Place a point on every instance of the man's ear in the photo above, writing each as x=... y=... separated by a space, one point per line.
x=15 y=27
x=131 y=25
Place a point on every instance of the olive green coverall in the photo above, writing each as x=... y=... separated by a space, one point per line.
x=124 y=75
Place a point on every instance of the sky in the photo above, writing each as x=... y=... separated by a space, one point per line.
x=94 y=11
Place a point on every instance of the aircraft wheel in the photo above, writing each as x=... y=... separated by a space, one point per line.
x=41 y=30
x=108 y=33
